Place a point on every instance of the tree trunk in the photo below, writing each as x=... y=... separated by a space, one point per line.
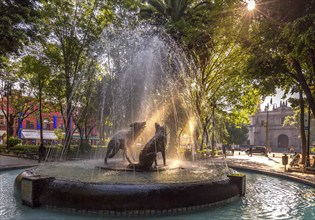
x=304 y=85
x=303 y=137
x=102 y=125
x=11 y=125
x=68 y=132
x=41 y=150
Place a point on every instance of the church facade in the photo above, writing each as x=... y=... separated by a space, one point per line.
x=280 y=138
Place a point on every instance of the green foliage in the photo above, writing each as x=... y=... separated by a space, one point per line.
x=172 y=10
x=3 y=148
x=237 y=134
x=205 y=151
x=237 y=174
x=34 y=72
x=59 y=133
x=293 y=120
x=12 y=142
x=22 y=101
x=25 y=149
x=71 y=34
x=85 y=148
x=282 y=47
x=17 y=25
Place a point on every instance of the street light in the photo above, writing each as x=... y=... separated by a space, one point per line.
x=267 y=124
x=267 y=128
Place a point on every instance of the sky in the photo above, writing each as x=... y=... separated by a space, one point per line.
x=276 y=99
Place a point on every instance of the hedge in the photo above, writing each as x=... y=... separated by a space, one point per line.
x=33 y=149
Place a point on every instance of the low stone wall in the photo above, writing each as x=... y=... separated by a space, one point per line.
x=124 y=199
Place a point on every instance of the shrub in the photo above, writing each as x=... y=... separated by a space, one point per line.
x=3 y=148
x=25 y=148
x=85 y=148
x=13 y=141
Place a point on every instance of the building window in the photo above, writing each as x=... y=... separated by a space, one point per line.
x=29 y=125
x=2 y=120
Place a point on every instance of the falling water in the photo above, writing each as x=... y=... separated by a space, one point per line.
x=147 y=72
x=146 y=66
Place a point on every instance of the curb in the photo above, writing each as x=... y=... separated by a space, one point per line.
x=276 y=174
x=6 y=168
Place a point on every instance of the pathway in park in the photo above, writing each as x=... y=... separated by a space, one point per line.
x=7 y=162
x=271 y=165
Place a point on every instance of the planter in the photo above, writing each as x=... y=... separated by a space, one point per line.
x=240 y=180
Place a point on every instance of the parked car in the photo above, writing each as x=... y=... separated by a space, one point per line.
x=244 y=147
x=257 y=150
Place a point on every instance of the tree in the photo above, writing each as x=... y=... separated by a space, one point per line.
x=36 y=74
x=237 y=135
x=218 y=89
x=187 y=21
x=21 y=103
x=210 y=34
x=71 y=33
x=282 y=48
x=17 y=26
x=86 y=108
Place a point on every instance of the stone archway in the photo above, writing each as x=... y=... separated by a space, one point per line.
x=283 y=141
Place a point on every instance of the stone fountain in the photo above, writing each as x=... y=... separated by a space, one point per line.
x=117 y=192
x=122 y=189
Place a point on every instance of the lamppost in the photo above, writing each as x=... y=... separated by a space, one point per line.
x=267 y=124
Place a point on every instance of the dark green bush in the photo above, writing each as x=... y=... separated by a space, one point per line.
x=3 y=148
x=13 y=141
x=25 y=149
x=73 y=151
x=85 y=148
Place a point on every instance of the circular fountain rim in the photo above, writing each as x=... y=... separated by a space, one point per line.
x=101 y=174
x=127 y=199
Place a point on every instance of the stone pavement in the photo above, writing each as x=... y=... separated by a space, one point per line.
x=7 y=163
x=269 y=165
x=258 y=163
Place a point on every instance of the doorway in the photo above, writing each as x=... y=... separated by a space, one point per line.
x=283 y=141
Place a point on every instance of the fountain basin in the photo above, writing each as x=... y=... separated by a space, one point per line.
x=124 y=198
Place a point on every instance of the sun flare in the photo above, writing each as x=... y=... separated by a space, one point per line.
x=251 y=5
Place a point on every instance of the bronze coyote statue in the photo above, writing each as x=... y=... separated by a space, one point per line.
x=124 y=139
x=149 y=152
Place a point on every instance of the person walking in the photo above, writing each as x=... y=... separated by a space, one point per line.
x=224 y=151
x=250 y=152
x=232 y=149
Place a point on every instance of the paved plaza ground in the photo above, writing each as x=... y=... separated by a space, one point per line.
x=7 y=162
x=271 y=165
